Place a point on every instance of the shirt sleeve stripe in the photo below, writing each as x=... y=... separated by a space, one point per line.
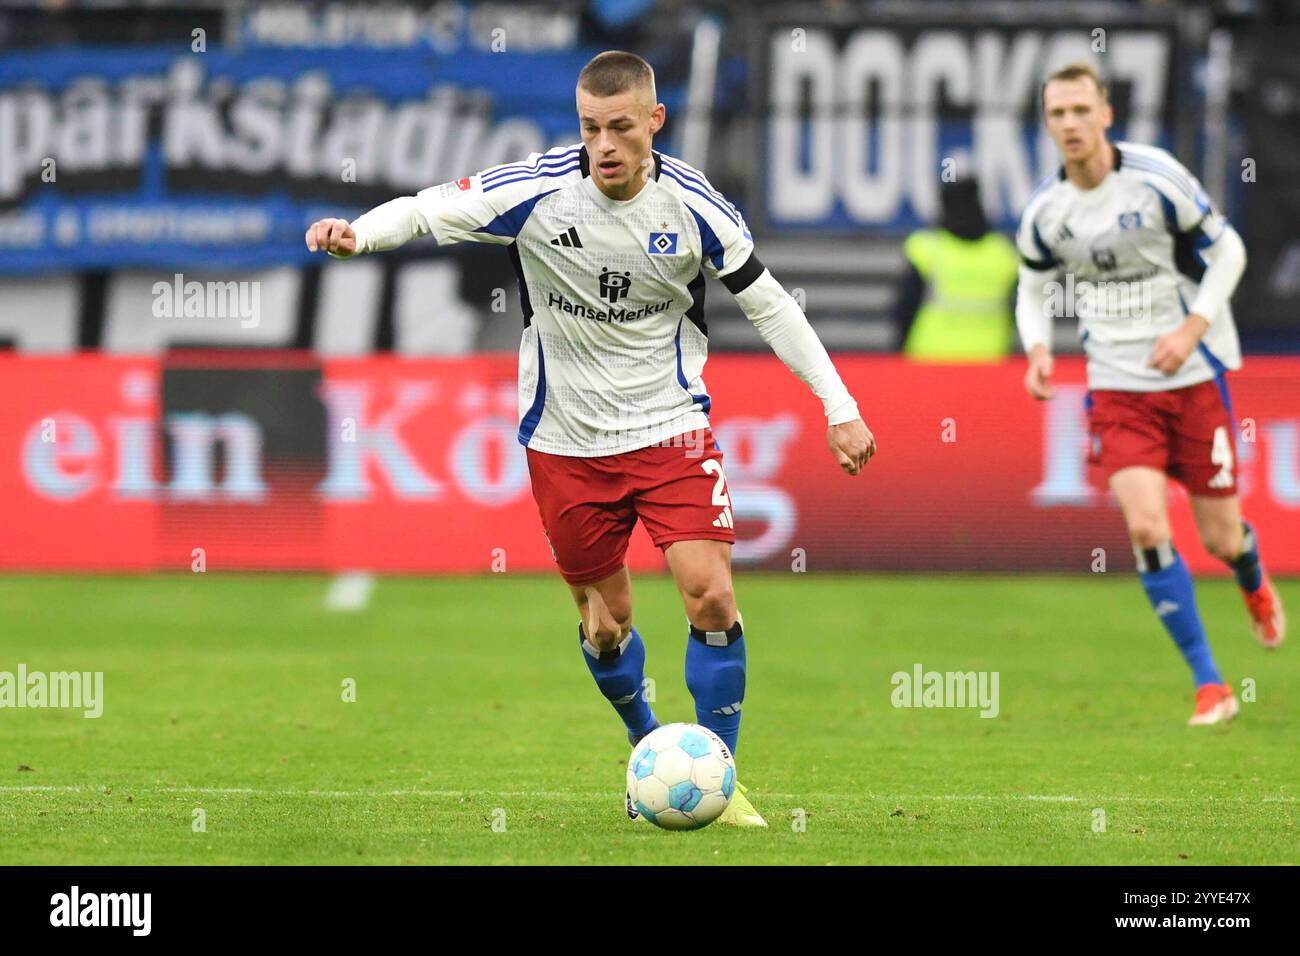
x=1163 y=164
x=568 y=153
x=544 y=174
x=1171 y=177
x=686 y=172
x=705 y=196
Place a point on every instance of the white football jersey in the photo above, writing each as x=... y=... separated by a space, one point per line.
x=612 y=292
x=1125 y=259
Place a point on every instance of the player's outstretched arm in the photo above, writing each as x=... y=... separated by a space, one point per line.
x=385 y=227
x=785 y=328
x=464 y=210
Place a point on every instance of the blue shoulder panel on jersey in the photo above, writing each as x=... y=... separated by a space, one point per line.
x=534 y=414
x=1187 y=245
x=709 y=242
x=1167 y=204
x=1203 y=241
x=511 y=222
x=1048 y=259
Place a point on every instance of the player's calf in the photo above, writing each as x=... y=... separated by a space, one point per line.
x=619 y=672
x=715 y=676
x=1226 y=544
x=1168 y=585
x=1267 y=619
x=1233 y=541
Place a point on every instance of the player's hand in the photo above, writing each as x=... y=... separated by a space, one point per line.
x=851 y=444
x=1176 y=347
x=332 y=235
x=1038 y=378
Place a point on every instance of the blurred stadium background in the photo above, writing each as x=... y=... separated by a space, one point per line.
x=361 y=415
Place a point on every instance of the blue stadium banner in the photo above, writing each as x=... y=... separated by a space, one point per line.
x=162 y=156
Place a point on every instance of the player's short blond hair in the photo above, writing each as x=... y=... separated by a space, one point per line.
x=1075 y=71
x=617 y=71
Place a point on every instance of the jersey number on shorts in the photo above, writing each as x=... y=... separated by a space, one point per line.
x=720 y=496
x=1221 y=455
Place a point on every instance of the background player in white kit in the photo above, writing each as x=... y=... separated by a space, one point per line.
x=610 y=240
x=1154 y=267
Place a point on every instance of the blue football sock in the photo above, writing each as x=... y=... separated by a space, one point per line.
x=1169 y=589
x=715 y=676
x=620 y=674
x=1245 y=566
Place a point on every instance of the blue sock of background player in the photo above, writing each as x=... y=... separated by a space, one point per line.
x=620 y=675
x=715 y=676
x=1168 y=584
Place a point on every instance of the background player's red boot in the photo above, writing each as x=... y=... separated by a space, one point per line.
x=1215 y=704
x=1267 y=621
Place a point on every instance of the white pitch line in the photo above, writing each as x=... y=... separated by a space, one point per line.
x=572 y=795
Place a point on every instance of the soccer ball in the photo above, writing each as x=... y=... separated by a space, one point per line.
x=681 y=777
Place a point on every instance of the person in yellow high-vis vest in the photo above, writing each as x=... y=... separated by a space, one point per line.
x=956 y=302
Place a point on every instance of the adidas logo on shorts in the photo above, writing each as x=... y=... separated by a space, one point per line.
x=724 y=520
x=1222 y=480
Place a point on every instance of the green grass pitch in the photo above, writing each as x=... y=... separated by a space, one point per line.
x=224 y=693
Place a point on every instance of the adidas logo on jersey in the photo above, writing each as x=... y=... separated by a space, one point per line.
x=724 y=520
x=568 y=239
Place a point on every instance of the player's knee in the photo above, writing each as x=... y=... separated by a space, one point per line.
x=712 y=606
x=1148 y=531
x=1222 y=543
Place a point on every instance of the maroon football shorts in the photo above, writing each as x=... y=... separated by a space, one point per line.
x=1185 y=432
x=590 y=505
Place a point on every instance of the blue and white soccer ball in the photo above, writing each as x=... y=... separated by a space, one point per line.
x=681 y=777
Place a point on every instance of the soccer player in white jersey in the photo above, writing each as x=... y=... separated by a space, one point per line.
x=611 y=241
x=1127 y=233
